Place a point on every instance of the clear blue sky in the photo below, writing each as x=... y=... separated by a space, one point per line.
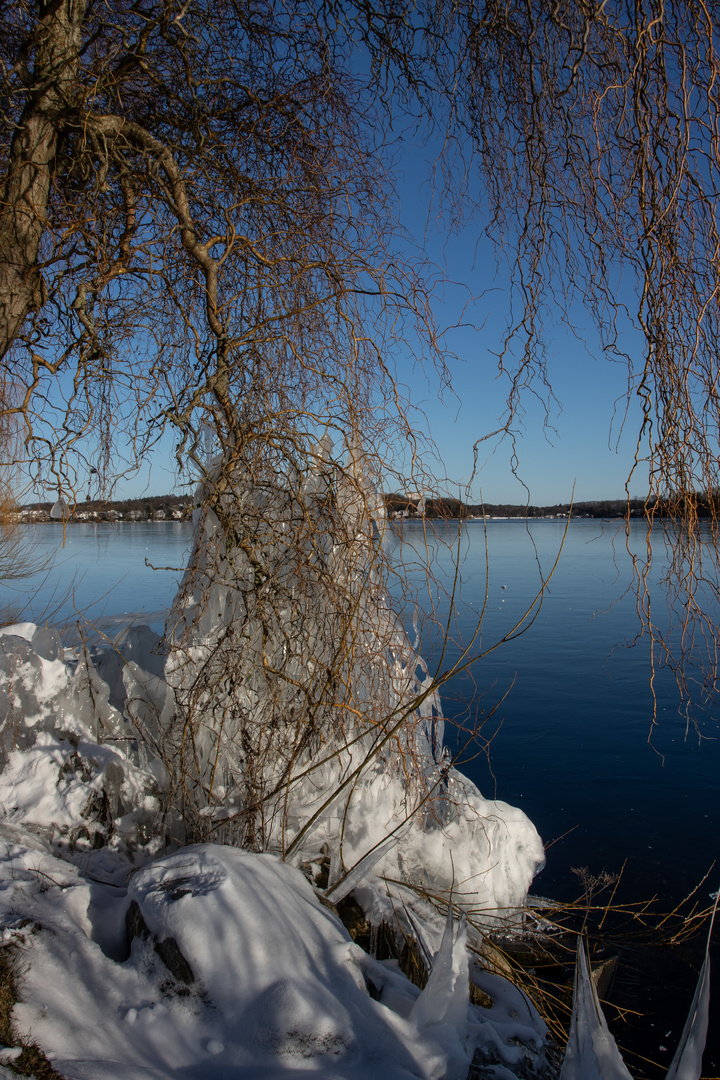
x=585 y=443
x=587 y=448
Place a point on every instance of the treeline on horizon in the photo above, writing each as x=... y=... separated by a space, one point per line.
x=151 y=502
x=443 y=507
x=396 y=504
x=704 y=506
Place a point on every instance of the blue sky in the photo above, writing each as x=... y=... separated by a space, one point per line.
x=586 y=445
x=580 y=452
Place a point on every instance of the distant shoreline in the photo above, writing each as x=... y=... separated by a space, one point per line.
x=399 y=507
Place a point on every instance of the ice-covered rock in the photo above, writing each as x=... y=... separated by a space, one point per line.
x=70 y=758
x=277 y=986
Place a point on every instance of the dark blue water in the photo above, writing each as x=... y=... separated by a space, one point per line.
x=558 y=721
x=567 y=728
x=572 y=740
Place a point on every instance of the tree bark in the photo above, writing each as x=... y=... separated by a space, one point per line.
x=25 y=190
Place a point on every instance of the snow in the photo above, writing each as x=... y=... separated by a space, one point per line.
x=149 y=942
x=277 y=985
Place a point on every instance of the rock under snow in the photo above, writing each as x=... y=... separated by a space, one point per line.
x=278 y=988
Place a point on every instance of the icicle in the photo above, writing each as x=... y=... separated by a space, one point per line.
x=352 y=495
x=687 y=1063
x=208 y=432
x=343 y=885
x=416 y=629
x=446 y=996
x=592 y=1052
x=325 y=447
x=317 y=481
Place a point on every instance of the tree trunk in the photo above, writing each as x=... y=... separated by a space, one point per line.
x=25 y=190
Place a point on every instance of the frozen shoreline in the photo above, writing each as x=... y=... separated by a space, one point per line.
x=82 y=843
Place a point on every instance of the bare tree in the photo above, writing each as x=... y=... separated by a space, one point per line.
x=223 y=161
x=182 y=235
x=196 y=237
x=594 y=133
x=199 y=242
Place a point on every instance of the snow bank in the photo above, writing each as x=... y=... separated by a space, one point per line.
x=271 y=984
x=285 y=712
x=276 y=985
x=75 y=768
x=70 y=758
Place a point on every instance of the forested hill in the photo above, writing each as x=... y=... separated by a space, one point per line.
x=436 y=507
x=398 y=506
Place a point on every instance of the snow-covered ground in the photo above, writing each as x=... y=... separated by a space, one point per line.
x=211 y=961
x=235 y=969
x=286 y=713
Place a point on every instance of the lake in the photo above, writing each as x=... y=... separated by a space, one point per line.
x=572 y=743
x=572 y=740
x=110 y=574
x=566 y=707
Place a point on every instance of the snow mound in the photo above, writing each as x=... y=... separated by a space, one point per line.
x=284 y=730
x=69 y=759
x=77 y=768
x=275 y=985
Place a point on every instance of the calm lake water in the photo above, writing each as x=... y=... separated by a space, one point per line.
x=572 y=740
x=571 y=737
x=108 y=575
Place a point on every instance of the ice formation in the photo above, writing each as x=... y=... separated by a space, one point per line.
x=593 y=1054
x=305 y=723
x=233 y=969
x=284 y=713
